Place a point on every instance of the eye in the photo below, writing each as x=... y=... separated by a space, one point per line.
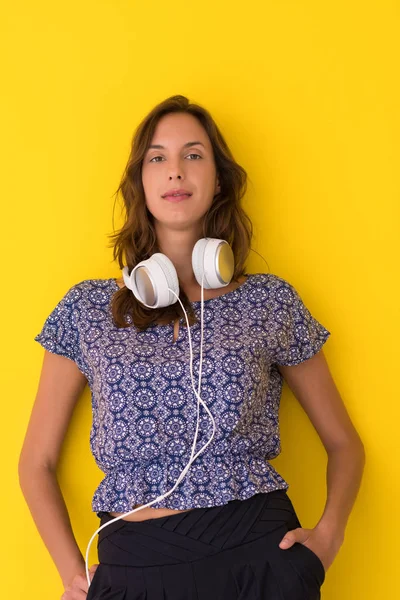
x=192 y=154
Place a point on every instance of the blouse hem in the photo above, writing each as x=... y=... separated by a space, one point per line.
x=285 y=486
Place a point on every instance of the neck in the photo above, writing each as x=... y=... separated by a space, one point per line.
x=178 y=246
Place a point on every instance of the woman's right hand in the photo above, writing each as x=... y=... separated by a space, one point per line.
x=78 y=588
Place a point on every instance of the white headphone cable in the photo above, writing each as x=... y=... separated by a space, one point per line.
x=192 y=459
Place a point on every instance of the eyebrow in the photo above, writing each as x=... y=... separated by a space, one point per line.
x=159 y=147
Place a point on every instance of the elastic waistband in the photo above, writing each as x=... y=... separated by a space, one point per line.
x=105 y=516
x=194 y=534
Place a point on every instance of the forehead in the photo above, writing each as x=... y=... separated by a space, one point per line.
x=177 y=129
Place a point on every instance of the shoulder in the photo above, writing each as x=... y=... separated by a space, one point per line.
x=95 y=283
x=89 y=289
x=266 y=278
x=273 y=292
x=270 y=282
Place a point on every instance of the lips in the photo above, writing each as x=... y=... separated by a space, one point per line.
x=178 y=198
x=176 y=193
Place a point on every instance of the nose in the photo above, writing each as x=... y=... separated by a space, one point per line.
x=175 y=170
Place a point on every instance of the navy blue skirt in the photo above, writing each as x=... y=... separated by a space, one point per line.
x=227 y=552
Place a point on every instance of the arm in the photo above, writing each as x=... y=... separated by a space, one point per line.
x=60 y=386
x=315 y=389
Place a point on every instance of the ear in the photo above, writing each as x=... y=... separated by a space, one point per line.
x=217 y=187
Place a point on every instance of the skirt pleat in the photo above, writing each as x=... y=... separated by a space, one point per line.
x=228 y=552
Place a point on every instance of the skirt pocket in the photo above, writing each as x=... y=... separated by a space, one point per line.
x=307 y=565
x=309 y=555
x=315 y=559
x=304 y=562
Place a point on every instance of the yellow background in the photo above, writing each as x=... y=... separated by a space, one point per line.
x=307 y=96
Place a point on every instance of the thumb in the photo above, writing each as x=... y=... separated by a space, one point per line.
x=290 y=538
x=92 y=570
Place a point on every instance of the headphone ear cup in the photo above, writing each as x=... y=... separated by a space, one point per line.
x=216 y=258
x=197 y=262
x=150 y=279
x=169 y=279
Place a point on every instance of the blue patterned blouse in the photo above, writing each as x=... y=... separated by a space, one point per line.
x=144 y=407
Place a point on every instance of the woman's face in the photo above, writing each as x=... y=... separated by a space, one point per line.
x=177 y=166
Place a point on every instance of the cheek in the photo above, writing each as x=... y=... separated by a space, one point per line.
x=148 y=180
x=151 y=186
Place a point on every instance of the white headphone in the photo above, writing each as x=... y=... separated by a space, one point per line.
x=154 y=283
x=153 y=280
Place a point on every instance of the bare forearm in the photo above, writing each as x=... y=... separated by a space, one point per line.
x=344 y=473
x=48 y=509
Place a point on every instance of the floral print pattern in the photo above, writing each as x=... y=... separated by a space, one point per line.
x=144 y=407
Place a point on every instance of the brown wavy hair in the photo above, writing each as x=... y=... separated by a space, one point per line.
x=137 y=241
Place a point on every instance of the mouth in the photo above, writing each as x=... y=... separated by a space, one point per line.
x=176 y=193
x=177 y=198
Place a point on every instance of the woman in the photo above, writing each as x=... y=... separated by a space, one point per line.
x=228 y=529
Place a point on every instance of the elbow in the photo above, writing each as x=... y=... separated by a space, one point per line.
x=352 y=445
x=357 y=454
x=24 y=470
x=358 y=451
x=359 y=446
x=28 y=469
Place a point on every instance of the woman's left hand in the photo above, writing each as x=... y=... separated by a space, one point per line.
x=325 y=544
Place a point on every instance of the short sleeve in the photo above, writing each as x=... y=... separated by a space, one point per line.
x=296 y=335
x=60 y=332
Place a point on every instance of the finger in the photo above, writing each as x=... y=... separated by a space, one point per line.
x=79 y=583
x=92 y=571
x=289 y=539
x=78 y=595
